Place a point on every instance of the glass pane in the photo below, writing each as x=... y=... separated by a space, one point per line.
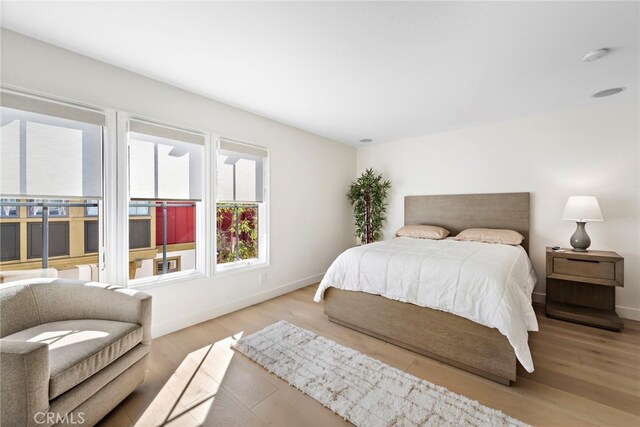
x=72 y=246
x=8 y=211
x=58 y=239
x=236 y=232
x=166 y=177
x=54 y=211
x=91 y=210
x=56 y=161
x=10 y=239
x=138 y=209
x=147 y=237
x=139 y=234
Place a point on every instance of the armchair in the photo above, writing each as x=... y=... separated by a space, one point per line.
x=70 y=351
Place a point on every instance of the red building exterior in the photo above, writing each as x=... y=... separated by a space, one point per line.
x=181 y=225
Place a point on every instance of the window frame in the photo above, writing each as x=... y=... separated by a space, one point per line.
x=203 y=246
x=108 y=140
x=263 y=260
x=113 y=208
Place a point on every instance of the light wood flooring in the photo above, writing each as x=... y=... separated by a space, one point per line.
x=584 y=376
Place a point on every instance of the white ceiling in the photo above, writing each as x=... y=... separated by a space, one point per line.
x=349 y=71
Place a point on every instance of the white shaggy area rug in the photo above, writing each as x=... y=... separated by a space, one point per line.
x=359 y=388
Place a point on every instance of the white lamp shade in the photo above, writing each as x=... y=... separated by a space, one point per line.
x=582 y=209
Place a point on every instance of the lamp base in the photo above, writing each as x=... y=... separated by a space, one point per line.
x=580 y=239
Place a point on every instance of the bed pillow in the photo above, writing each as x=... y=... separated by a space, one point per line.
x=423 y=232
x=491 y=235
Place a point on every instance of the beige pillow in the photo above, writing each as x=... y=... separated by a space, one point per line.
x=423 y=232
x=491 y=235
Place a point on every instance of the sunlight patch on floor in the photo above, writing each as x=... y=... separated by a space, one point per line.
x=189 y=393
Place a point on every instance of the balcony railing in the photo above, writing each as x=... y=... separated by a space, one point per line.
x=164 y=206
x=44 y=214
x=46 y=206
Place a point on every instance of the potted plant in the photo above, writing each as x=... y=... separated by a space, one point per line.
x=367 y=195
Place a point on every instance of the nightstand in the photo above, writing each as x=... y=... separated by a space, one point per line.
x=581 y=287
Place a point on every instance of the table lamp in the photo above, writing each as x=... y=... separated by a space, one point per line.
x=581 y=209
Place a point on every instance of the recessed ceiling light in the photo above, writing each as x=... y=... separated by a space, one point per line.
x=608 y=92
x=366 y=140
x=594 y=55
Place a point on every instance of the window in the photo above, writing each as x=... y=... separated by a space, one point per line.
x=240 y=204
x=57 y=208
x=55 y=166
x=50 y=172
x=134 y=209
x=91 y=211
x=166 y=180
x=7 y=210
x=58 y=241
x=10 y=238
x=138 y=209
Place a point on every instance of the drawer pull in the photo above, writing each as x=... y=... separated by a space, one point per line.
x=583 y=260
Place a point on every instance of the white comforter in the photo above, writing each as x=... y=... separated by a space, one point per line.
x=489 y=284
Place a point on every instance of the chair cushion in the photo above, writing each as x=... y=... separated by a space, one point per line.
x=80 y=348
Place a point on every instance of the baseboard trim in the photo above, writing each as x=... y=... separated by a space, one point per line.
x=173 y=325
x=629 y=313
x=163 y=328
x=538 y=297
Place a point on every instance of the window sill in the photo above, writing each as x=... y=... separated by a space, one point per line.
x=239 y=267
x=160 y=280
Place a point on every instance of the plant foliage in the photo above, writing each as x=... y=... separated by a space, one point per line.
x=237 y=232
x=368 y=196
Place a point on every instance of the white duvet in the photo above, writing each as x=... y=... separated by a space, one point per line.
x=490 y=284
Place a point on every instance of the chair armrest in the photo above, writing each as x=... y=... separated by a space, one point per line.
x=143 y=302
x=24 y=381
x=61 y=299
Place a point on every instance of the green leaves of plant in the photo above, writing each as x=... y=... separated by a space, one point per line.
x=368 y=196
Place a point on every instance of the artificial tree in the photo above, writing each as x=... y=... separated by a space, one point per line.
x=367 y=195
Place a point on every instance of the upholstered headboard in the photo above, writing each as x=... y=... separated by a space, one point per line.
x=456 y=212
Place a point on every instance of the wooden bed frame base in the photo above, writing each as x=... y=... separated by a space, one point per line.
x=436 y=334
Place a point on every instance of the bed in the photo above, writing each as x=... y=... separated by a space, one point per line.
x=475 y=313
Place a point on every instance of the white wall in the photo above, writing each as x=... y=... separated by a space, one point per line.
x=310 y=217
x=589 y=151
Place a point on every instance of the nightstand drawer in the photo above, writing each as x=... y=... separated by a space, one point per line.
x=584 y=268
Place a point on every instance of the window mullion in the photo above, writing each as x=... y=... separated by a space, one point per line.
x=118 y=212
x=109 y=238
